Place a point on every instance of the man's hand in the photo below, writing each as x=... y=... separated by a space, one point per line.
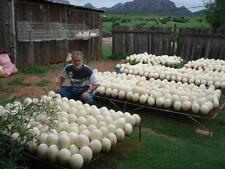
x=59 y=83
x=57 y=88
x=85 y=95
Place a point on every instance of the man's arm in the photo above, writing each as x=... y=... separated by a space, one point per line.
x=59 y=83
x=93 y=88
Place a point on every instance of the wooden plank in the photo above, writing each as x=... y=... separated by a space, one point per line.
x=37 y=53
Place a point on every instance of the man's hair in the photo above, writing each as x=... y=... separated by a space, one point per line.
x=77 y=53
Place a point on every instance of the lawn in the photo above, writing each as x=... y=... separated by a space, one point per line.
x=149 y=20
x=168 y=142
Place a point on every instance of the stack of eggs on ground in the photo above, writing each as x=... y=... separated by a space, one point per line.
x=207 y=64
x=184 y=75
x=161 y=93
x=154 y=60
x=82 y=131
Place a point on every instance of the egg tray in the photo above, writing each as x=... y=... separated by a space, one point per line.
x=126 y=104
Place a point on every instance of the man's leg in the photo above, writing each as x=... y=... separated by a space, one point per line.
x=88 y=98
x=66 y=91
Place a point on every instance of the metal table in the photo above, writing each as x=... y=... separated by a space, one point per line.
x=194 y=117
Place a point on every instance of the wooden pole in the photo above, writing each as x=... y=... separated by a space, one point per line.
x=14 y=47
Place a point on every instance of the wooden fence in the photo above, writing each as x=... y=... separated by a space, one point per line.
x=201 y=43
x=189 y=43
x=138 y=40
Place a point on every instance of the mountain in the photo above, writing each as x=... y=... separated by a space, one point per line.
x=199 y=13
x=60 y=1
x=89 y=5
x=158 y=6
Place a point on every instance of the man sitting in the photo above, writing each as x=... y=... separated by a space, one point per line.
x=83 y=81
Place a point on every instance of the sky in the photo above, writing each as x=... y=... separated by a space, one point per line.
x=109 y=3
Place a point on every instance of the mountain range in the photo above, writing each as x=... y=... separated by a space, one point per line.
x=157 y=6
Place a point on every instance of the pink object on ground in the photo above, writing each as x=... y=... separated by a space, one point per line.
x=8 y=66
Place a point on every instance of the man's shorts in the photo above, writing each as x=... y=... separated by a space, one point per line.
x=72 y=92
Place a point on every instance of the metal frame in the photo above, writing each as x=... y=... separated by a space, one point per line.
x=194 y=117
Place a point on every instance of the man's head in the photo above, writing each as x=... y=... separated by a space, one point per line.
x=77 y=59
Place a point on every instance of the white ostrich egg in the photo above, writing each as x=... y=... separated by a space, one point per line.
x=112 y=138
x=177 y=105
x=73 y=149
x=167 y=103
x=143 y=99
x=73 y=137
x=129 y=95
x=120 y=134
x=64 y=156
x=128 y=129
x=121 y=94
x=101 y=90
x=186 y=105
x=42 y=138
x=82 y=121
x=52 y=153
x=82 y=140
x=42 y=150
x=195 y=107
x=104 y=131
x=111 y=128
x=76 y=161
x=120 y=123
x=135 y=97
x=151 y=101
x=85 y=132
x=114 y=93
x=86 y=153
x=96 y=146
x=138 y=119
x=101 y=123
x=64 y=141
x=108 y=91
x=106 y=144
x=72 y=118
x=96 y=135
x=52 y=139
x=32 y=146
x=204 y=109
x=160 y=102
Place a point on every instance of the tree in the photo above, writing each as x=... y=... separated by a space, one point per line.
x=215 y=13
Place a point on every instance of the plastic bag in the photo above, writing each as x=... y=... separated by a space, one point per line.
x=8 y=67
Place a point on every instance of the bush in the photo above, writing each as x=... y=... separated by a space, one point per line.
x=180 y=19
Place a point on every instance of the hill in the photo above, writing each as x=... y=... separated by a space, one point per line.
x=165 y=7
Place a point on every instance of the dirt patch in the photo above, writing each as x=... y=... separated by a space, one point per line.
x=32 y=90
x=107 y=39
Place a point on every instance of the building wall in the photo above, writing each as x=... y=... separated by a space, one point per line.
x=45 y=32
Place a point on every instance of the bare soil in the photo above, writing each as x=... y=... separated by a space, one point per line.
x=33 y=90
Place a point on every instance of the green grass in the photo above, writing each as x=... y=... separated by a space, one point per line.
x=34 y=70
x=18 y=81
x=107 y=52
x=151 y=20
x=168 y=142
x=42 y=83
x=2 y=87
